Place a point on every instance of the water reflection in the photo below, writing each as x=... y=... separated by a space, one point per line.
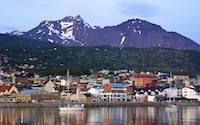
x=100 y=116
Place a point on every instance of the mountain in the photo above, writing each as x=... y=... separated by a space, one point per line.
x=49 y=58
x=66 y=31
x=74 y=31
x=12 y=41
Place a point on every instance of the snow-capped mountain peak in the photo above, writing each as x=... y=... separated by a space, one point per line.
x=61 y=31
x=74 y=31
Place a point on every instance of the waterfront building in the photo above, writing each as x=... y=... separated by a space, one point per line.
x=23 y=98
x=115 y=92
x=94 y=92
x=190 y=93
x=172 y=93
x=113 y=96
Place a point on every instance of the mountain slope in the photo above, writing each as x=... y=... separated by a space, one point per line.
x=74 y=31
x=45 y=56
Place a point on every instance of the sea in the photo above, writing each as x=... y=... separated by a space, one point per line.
x=185 y=115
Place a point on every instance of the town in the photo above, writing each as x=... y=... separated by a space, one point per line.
x=102 y=86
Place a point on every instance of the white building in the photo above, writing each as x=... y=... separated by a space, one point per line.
x=94 y=92
x=113 y=96
x=190 y=93
x=171 y=93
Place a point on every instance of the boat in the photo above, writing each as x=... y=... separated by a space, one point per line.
x=69 y=107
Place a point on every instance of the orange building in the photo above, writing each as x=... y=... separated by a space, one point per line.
x=107 y=88
x=143 y=80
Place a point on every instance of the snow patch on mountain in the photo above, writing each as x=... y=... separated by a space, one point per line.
x=17 y=33
x=65 y=25
x=39 y=31
x=123 y=39
x=50 y=40
x=68 y=34
x=51 y=28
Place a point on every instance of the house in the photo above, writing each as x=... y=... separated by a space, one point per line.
x=83 y=87
x=150 y=90
x=172 y=93
x=94 y=92
x=150 y=93
x=23 y=98
x=49 y=87
x=141 y=97
x=8 y=90
x=23 y=80
x=190 y=93
x=107 y=88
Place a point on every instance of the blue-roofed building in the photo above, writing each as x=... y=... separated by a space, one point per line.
x=26 y=95
x=32 y=91
x=118 y=85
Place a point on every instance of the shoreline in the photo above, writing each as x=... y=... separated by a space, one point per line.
x=95 y=104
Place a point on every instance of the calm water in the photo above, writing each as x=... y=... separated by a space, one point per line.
x=101 y=116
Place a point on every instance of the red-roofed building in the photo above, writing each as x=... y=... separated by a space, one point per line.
x=143 y=80
x=8 y=90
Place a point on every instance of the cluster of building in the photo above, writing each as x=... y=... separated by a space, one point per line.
x=102 y=86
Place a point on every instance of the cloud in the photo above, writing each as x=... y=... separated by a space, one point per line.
x=137 y=9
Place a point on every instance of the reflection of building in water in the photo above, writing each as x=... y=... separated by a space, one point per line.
x=107 y=116
x=7 y=116
x=29 y=116
x=190 y=114
x=145 y=116
x=71 y=117
x=100 y=116
x=49 y=117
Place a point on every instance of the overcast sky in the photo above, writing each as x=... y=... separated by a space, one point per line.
x=182 y=16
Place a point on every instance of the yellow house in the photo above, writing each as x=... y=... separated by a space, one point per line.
x=23 y=98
